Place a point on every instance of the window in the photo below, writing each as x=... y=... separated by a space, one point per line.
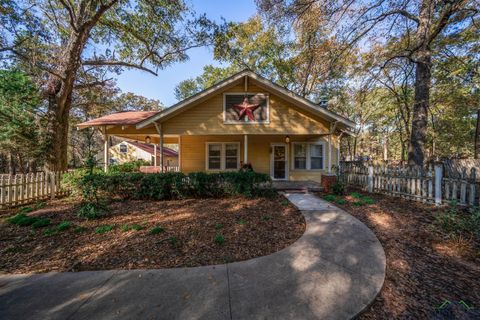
x=300 y=155
x=308 y=156
x=123 y=148
x=214 y=156
x=316 y=156
x=223 y=156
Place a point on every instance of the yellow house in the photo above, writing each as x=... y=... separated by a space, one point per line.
x=127 y=151
x=244 y=119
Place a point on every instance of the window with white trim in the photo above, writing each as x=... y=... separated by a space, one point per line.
x=308 y=156
x=223 y=155
x=123 y=148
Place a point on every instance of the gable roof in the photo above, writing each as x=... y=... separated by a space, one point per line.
x=119 y=118
x=149 y=148
x=298 y=100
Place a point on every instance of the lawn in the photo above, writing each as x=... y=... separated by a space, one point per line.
x=146 y=234
x=427 y=264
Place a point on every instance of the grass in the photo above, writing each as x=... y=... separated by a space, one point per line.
x=219 y=239
x=104 y=229
x=157 y=230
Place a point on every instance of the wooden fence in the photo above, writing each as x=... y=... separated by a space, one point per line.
x=431 y=184
x=28 y=188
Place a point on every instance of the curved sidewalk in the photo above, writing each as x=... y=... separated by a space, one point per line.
x=332 y=272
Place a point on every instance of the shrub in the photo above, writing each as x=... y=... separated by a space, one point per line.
x=40 y=223
x=341 y=201
x=91 y=210
x=455 y=223
x=64 y=225
x=171 y=185
x=338 y=188
x=330 y=197
x=157 y=230
x=132 y=166
x=219 y=239
x=104 y=229
x=136 y=227
x=125 y=228
x=21 y=219
x=356 y=195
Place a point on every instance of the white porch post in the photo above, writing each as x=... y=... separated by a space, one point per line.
x=330 y=153
x=154 y=155
x=105 y=149
x=158 y=126
x=245 y=149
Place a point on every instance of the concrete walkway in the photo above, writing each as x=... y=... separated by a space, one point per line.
x=332 y=272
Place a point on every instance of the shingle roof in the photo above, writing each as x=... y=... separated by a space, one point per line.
x=119 y=118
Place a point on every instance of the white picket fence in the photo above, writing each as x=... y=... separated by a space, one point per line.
x=28 y=188
x=430 y=184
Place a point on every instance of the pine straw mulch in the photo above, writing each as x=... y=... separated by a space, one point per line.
x=250 y=227
x=424 y=267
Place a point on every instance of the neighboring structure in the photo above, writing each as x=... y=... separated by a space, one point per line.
x=127 y=151
x=243 y=119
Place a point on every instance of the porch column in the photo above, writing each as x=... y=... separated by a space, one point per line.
x=154 y=155
x=158 y=126
x=105 y=149
x=330 y=153
x=245 y=149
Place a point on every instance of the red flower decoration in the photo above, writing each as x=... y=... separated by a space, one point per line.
x=246 y=108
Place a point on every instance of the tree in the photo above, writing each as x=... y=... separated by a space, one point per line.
x=418 y=27
x=64 y=38
x=19 y=104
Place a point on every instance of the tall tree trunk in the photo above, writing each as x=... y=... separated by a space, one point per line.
x=11 y=164
x=477 y=136
x=418 y=136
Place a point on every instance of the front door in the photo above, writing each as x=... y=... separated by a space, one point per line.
x=278 y=162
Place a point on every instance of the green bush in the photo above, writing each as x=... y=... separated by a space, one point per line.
x=330 y=197
x=104 y=229
x=171 y=185
x=64 y=225
x=157 y=230
x=133 y=166
x=40 y=223
x=21 y=219
x=219 y=239
x=341 y=201
x=338 y=188
x=455 y=222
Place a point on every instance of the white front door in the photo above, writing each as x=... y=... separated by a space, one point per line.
x=279 y=161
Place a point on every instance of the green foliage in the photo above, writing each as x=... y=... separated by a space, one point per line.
x=21 y=219
x=92 y=210
x=218 y=226
x=104 y=229
x=40 y=223
x=157 y=230
x=132 y=166
x=25 y=210
x=242 y=221
x=64 y=225
x=167 y=186
x=455 y=222
x=50 y=232
x=341 y=201
x=40 y=205
x=79 y=229
x=174 y=241
x=136 y=227
x=125 y=228
x=219 y=239
x=285 y=202
x=361 y=199
x=356 y=195
x=330 y=197
x=338 y=188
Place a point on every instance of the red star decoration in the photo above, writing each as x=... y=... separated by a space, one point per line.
x=246 y=108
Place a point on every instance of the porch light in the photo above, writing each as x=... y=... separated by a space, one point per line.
x=287 y=139
x=148 y=139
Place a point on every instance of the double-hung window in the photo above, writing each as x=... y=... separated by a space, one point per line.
x=308 y=156
x=223 y=155
x=123 y=148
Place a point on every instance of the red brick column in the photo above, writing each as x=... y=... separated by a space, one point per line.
x=327 y=181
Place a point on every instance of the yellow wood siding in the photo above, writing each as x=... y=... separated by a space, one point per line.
x=193 y=153
x=207 y=118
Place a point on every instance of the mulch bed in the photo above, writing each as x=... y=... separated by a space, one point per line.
x=424 y=268
x=250 y=228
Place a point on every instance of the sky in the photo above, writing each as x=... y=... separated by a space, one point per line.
x=162 y=87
